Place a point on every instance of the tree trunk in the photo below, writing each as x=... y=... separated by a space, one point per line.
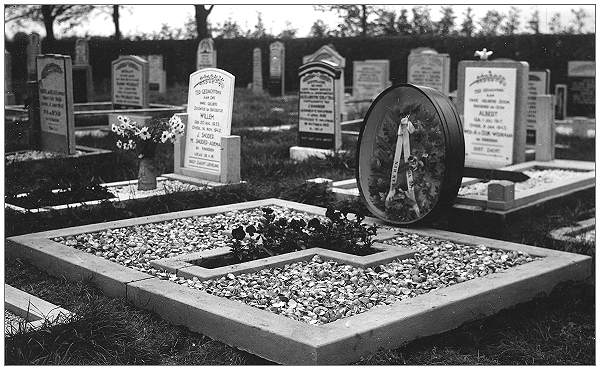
x=48 y=19
x=363 y=21
x=115 y=17
x=201 y=20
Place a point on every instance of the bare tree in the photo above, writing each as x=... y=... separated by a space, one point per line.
x=48 y=15
x=579 y=21
x=512 y=21
x=534 y=22
x=555 y=25
x=115 y=17
x=445 y=26
x=468 y=25
x=355 y=18
x=202 y=14
x=403 y=25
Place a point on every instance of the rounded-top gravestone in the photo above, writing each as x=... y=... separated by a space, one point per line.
x=410 y=154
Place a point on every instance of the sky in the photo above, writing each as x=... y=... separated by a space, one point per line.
x=276 y=17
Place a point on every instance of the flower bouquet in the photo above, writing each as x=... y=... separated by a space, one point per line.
x=144 y=138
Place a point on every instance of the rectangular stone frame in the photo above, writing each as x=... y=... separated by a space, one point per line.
x=289 y=341
x=521 y=95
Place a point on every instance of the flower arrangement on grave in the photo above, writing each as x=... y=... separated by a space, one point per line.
x=144 y=138
x=274 y=236
x=407 y=163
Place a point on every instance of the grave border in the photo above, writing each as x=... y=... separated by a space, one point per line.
x=568 y=233
x=283 y=339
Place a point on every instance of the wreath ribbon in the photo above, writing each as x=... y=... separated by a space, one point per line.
x=403 y=150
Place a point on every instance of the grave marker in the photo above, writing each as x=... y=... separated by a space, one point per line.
x=56 y=103
x=319 y=130
x=328 y=53
x=560 y=107
x=257 y=79
x=581 y=97
x=34 y=49
x=206 y=56
x=426 y=67
x=157 y=80
x=9 y=95
x=538 y=84
x=492 y=101
x=130 y=82
x=83 y=89
x=82 y=52
x=207 y=150
x=369 y=78
x=277 y=68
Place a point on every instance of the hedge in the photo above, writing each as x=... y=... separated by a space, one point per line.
x=235 y=55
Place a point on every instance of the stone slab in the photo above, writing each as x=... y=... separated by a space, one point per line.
x=301 y=153
x=568 y=233
x=288 y=341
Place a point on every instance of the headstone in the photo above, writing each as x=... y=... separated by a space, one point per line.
x=369 y=78
x=318 y=118
x=581 y=97
x=560 y=105
x=9 y=95
x=328 y=53
x=207 y=150
x=428 y=68
x=538 y=84
x=277 y=68
x=158 y=76
x=206 y=56
x=130 y=82
x=34 y=49
x=82 y=52
x=257 y=79
x=492 y=101
x=545 y=128
x=56 y=103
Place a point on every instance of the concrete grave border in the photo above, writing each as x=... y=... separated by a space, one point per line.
x=568 y=233
x=38 y=310
x=288 y=341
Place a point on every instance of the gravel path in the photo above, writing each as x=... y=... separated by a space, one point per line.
x=536 y=178
x=316 y=291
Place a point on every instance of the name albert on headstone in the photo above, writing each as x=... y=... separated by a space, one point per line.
x=492 y=99
x=318 y=118
x=206 y=56
x=426 y=67
x=277 y=68
x=257 y=79
x=208 y=151
x=581 y=96
x=56 y=103
x=130 y=82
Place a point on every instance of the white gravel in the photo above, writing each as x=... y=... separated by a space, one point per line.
x=536 y=178
x=32 y=155
x=163 y=186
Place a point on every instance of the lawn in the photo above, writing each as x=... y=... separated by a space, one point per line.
x=555 y=329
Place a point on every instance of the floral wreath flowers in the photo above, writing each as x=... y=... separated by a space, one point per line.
x=146 y=137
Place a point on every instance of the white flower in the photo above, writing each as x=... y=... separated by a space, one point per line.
x=114 y=128
x=125 y=146
x=119 y=144
x=144 y=134
x=131 y=144
x=172 y=137
x=164 y=137
x=175 y=121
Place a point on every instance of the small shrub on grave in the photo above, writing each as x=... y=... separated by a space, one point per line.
x=278 y=236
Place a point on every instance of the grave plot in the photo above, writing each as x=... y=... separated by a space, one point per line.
x=307 y=307
x=583 y=232
x=25 y=312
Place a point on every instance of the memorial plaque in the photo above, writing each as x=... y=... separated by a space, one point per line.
x=492 y=99
x=277 y=68
x=257 y=79
x=328 y=53
x=581 y=84
x=210 y=105
x=318 y=118
x=429 y=69
x=130 y=82
x=369 y=79
x=560 y=107
x=34 y=48
x=56 y=103
x=206 y=56
x=82 y=52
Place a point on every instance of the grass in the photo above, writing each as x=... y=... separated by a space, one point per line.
x=558 y=329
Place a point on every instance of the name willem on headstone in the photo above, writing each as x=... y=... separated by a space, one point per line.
x=538 y=84
x=318 y=118
x=257 y=79
x=210 y=105
x=581 y=96
x=130 y=82
x=428 y=68
x=277 y=68
x=206 y=56
x=56 y=103
x=492 y=98
x=369 y=79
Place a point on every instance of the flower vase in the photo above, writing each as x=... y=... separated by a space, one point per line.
x=147 y=174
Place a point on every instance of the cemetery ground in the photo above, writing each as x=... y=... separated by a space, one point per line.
x=557 y=329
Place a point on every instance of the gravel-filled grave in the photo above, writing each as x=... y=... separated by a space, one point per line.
x=32 y=155
x=537 y=177
x=164 y=186
x=318 y=291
